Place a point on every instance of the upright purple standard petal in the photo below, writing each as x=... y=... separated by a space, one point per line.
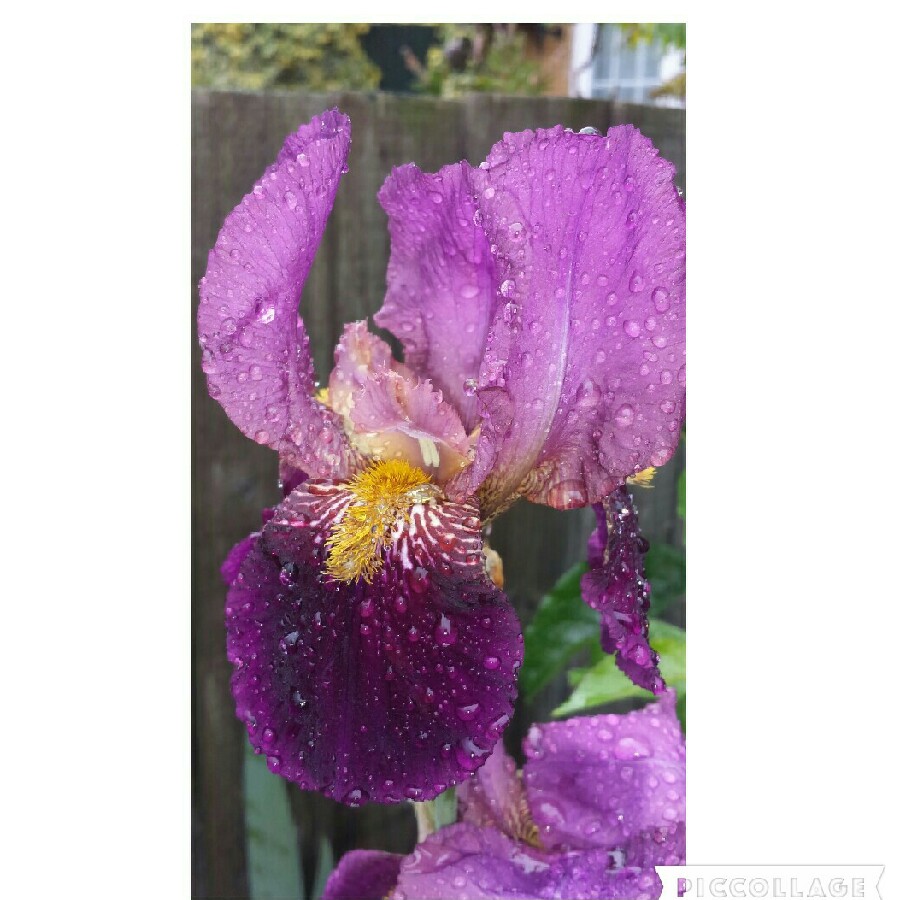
x=610 y=781
x=614 y=584
x=440 y=288
x=463 y=862
x=383 y=691
x=582 y=382
x=255 y=349
x=363 y=875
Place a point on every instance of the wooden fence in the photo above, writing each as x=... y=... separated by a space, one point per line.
x=234 y=137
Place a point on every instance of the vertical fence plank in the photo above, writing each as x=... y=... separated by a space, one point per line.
x=234 y=137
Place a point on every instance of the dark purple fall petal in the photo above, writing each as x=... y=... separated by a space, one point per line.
x=384 y=691
x=464 y=862
x=582 y=382
x=441 y=294
x=255 y=349
x=615 y=585
x=363 y=875
x=615 y=782
x=236 y=556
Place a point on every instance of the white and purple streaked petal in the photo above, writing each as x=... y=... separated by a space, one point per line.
x=614 y=584
x=464 y=862
x=401 y=417
x=393 y=689
x=363 y=875
x=602 y=781
x=583 y=373
x=255 y=349
x=441 y=294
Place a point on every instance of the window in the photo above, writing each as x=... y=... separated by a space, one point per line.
x=617 y=71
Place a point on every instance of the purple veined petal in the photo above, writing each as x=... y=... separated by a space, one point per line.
x=601 y=781
x=582 y=382
x=464 y=862
x=255 y=349
x=358 y=357
x=363 y=875
x=390 y=412
x=441 y=294
x=398 y=417
x=495 y=797
x=386 y=691
x=614 y=584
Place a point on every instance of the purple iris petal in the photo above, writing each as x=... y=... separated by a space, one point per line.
x=236 y=556
x=441 y=293
x=614 y=584
x=358 y=357
x=255 y=349
x=363 y=875
x=406 y=417
x=391 y=411
x=463 y=862
x=495 y=796
x=582 y=382
x=383 y=691
x=610 y=781
x=660 y=846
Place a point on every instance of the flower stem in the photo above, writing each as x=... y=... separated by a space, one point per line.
x=434 y=814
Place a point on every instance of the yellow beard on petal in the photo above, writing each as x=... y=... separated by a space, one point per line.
x=644 y=478
x=383 y=495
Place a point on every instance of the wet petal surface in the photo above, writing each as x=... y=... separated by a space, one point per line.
x=610 y=781
x=359 y=357
x=389 y=412
x=463 y=862
x=385 y=691
x=495 y=797
x=615 y=585
x=441 y=294
x=582 y=382
x=363 y=875
x=255 y=349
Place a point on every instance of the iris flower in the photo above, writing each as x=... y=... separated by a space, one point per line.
x=539 y=301
x=598 y=804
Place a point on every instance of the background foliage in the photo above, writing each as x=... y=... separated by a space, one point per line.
x=247 y=56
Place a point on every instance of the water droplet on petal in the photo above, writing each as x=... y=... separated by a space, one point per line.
x=467 y=713
x=624 y=415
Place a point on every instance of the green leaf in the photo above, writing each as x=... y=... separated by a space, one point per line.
x=682 y=494
x=273 y=859
x=562 y=625
x=603 y=682
x=664 y=568
x=324 y=867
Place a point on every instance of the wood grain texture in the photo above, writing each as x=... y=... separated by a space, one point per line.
x=234 y=137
